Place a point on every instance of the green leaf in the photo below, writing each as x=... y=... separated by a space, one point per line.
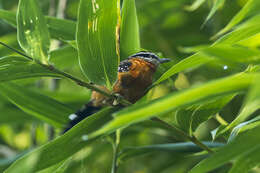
x=251 y=5
x=248 y=29
x=190 y=62
x=243 y=127
x=57 y=168
x=230 y=151
x=177 y=100
x=190 y=118
x=65 y=145
x=184 y=148
x=195 y=5
x=12 y=115
x=64 y=57
x=37 y=105
x=217 y=4
x=32 y=31
x=129 y=30
x=62 y=29
x=13 y=68
x=251 y=104
x=247 y=161
x=231 y=55
x=97 y=40
x=8 y=17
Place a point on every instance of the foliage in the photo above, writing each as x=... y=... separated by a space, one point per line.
x=201 y=113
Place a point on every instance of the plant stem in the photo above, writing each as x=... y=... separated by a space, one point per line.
x=182 y=133
x=76 y=80
x=112 y=96
x=115 y=152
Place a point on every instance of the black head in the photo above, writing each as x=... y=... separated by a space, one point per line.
x=150 y=57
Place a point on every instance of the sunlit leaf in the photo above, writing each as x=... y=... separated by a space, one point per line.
x=232 y=55
x=195 y=5
x=173 y=101
x=251 y=5
x=129 y=30
x=37 y=105
x=71 y=142
x=244 y=31
x=190 y=62
x=97 y=40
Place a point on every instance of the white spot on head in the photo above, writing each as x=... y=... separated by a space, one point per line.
x=84 y=137
x=225 y=67
x=72 y=116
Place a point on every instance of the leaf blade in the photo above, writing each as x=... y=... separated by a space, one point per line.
x=97 y=42
x=32 y=31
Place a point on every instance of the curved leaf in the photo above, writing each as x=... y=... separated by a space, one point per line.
x=250 y=6
x=251 y=104
x=32 y=31
x=62 y=29
x=217 y=4
x=245 y=31
x=184 y=148
x=63 y=146
x=97 y=40
x=230 y=151
x=129 y=30
x=195 y=5
x=12 y=68
x=171 y=102
x=40 y=106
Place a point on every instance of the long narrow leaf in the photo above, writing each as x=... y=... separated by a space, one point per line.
x=97 y=40
x=200 y=94
x=217 y=4
x=12 y=68
x=63 y=146
x=37 y=105
x=32 y=31
x=184 y=148
x=250 y=6
x=62 y=29
x=129 y=30
x=230 y=151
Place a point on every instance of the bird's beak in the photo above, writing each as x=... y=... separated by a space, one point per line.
x=164 y=60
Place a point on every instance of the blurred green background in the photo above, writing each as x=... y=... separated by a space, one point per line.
x=166 y=27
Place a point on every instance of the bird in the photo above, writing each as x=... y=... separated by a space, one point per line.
x=135 y=75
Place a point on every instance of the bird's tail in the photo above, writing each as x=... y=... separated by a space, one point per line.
x=87 y=110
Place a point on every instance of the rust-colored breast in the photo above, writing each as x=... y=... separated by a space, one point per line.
x=133 y=83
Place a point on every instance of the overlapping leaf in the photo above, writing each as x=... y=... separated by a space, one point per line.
x=62 y=29
x=12 y=68
x=37 y=105
x=209 y=91
x=129 y=30
x=232 y=150
x=71 y=142
x=97 y=40
x=32 y=31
